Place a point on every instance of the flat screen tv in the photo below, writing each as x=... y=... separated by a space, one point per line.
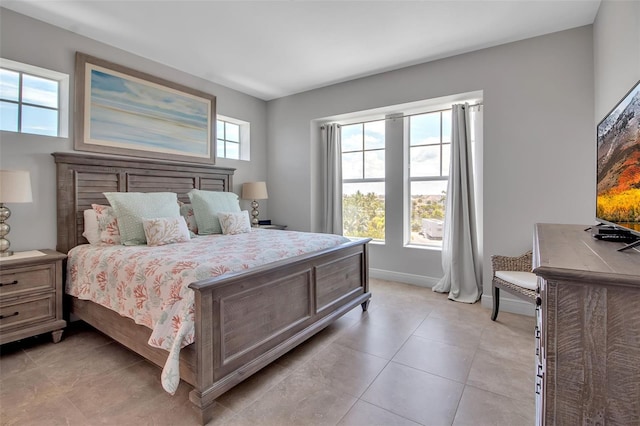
x=618 y=165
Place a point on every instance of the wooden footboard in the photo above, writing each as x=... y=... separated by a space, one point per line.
x=247 y=320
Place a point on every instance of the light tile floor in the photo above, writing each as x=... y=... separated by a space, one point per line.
x=414 y=358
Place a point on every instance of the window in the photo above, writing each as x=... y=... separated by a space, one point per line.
x=395 y=171
x=363 y=179
x=429 y=156
x=228 y=140
x=233 y=138
x=33 y=100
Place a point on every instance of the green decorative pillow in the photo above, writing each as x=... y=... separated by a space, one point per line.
x=207 y=205
x=133 y=207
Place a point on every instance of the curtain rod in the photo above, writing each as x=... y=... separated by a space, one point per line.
x=393 y=117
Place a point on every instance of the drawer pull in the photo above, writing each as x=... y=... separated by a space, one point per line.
x=10 y=315
x=538 y=301
x=11 y=283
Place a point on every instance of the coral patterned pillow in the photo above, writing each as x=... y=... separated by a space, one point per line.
x=235 y=222
x=166 y=230
x=107 y=224
x=186 y=211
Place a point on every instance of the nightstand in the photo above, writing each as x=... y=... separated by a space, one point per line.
x=279 y=227
x=31 y=296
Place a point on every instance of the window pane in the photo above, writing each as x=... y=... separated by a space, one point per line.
x=446 y=126
x=233 y=132
x=220 y=129
x=8 y=116
x=351 y=137
x=446 y=159
x=374 y=135
x=373 y=164
x=427 y=212
x=233 y=150
x=39 y=121
x=425 y=161
x=220 y=148
x=424 y=129
x=9 y=81
x=352 y=165
x=363 y=210
x=39 y=91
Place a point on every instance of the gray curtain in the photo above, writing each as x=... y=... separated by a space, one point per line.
x=460 y=259
x=332 y=188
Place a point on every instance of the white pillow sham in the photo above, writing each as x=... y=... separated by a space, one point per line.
x=91 y=231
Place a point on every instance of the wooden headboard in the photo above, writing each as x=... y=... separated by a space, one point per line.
x=81 y=180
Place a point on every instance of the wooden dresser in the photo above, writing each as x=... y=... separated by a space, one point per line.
x=31 y=296
x=588 y=329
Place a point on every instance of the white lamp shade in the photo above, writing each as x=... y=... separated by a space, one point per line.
x=254 y=191
x=15 y=186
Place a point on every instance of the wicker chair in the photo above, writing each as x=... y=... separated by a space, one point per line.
x=512 y=274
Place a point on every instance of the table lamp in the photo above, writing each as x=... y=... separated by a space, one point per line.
x=15 y=187
x=254 y=191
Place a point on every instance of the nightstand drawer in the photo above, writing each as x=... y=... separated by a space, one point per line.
x=27 y=279
x=24 y=312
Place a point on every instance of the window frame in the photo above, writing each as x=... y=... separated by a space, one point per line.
x=43 y=73
x=409 y=179
x=244 y=142
x=365 y=179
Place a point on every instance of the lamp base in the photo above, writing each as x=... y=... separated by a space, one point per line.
x=254 y=214
x=5 y=214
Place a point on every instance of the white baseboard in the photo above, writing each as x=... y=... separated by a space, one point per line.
x=401 y=277
x=515 y=306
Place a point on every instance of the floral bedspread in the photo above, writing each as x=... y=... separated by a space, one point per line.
x=150 y=284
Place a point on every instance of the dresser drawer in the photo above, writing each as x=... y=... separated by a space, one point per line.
x=16 y=281
x=23 y=312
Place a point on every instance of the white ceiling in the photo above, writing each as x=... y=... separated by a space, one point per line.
x=271 y=49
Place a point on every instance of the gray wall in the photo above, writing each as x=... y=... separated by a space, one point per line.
x=36 y=43
x=538 y=140
x=616 y=51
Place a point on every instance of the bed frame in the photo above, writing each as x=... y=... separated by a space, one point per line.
x=243 y=321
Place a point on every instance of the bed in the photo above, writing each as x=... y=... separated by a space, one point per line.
x=232 y=340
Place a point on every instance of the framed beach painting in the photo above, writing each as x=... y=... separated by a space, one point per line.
x=123 y=111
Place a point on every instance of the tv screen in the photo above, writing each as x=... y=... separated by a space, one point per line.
x=618 y=174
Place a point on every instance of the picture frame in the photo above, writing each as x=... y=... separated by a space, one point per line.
x=123 y=111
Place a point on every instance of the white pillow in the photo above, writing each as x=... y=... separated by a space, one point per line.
x=166 y=230
x=91 y=230
x=235 y=222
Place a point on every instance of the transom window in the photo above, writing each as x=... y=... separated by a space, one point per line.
x=363 y=179
x=33 y=100
x=233 y=138
x=228 y=140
